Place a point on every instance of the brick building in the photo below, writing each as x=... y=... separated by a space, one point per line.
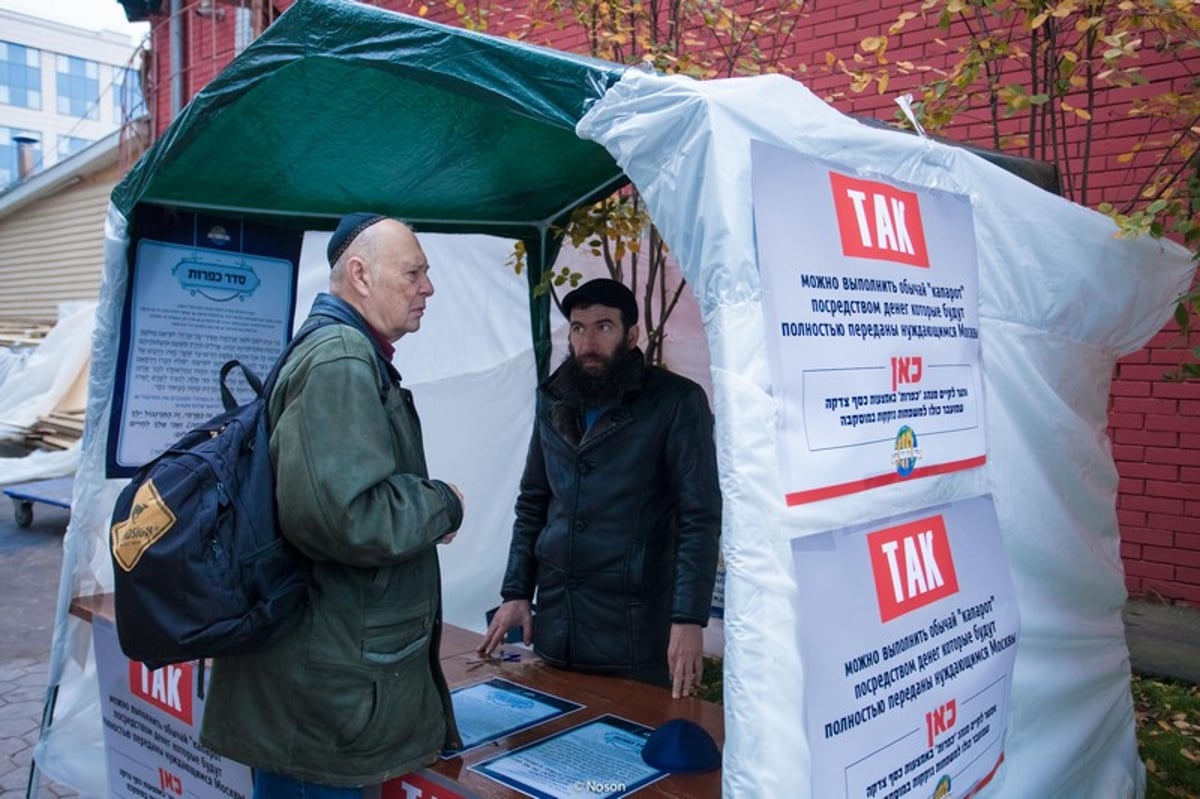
x=1154 y=424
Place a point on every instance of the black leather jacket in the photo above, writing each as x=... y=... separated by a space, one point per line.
x=617 y=529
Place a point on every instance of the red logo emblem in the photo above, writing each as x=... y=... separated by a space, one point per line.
x=879 y=221
x=168 y=688
x=912 y=566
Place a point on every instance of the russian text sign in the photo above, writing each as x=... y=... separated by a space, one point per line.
x=870 y=297
x=152 y=729
x=907 y=684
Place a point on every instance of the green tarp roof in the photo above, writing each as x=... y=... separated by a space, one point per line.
x=340 y=107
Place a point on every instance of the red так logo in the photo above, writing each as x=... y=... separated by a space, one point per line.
x=168 y=688
x=912 y=566
x=879 y=221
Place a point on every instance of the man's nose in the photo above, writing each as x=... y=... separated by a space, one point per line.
x=427 y=286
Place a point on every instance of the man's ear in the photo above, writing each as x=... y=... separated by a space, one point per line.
x=631 y=337
x=358 y=275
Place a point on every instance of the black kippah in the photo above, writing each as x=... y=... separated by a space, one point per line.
x=347 y=231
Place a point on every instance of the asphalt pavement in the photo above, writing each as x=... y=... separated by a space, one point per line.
x=1164 y=640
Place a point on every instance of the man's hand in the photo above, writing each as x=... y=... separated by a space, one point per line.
x=513 y=613
x=685 y=658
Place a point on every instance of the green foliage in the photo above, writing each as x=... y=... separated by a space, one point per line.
x=712 y=684
x=1168 y=732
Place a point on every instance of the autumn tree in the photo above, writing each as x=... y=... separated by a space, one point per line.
x=699 y=38
x=1044 y=75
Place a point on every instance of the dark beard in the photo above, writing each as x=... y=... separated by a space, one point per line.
x=599 y=387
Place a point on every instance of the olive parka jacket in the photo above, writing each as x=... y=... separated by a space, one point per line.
x=354 y=694
x=617 y=527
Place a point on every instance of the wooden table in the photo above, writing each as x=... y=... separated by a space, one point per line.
x=598 y=695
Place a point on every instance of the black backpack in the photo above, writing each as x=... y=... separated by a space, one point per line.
x=199 y=566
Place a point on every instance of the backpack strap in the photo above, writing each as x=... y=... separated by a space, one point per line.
x=388 y=376
x=227 y=399
x=310 y=326
x=387 y=372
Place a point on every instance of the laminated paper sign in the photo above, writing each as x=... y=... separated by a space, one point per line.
x=871 y=303
x=202 y=291
x=907 y=684
x=152 y=730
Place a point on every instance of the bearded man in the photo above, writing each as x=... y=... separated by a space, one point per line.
x=619 y=512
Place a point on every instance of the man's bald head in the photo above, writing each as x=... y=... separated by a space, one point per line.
x=383 y=273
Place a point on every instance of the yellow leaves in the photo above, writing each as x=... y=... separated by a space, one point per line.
x=1065 y=9
x=422 y=11
x=873 y=43
x=956 y=6
x=876 y=45
x=900 y=22
x=1079 y=112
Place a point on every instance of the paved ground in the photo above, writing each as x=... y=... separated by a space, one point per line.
x=30 y=560
x=1163 y=641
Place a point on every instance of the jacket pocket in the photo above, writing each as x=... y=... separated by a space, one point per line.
x=390 y=638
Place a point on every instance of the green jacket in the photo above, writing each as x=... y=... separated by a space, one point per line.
x=354 y=694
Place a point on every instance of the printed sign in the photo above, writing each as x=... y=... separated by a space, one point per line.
x=599 y=758
x=870 y=298
x=907 y=685
x=201 y=292
x=152 y=729
x=490 y=710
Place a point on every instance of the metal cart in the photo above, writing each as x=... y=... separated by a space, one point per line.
x=56 y=491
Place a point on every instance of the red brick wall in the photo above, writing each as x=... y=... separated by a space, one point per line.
x=1155 y=429
x=1154 y=425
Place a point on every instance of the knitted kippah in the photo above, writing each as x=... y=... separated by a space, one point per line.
x=347 y=230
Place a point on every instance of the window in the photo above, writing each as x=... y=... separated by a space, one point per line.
x=78 y=87
x=20 y=76
x=128 y=102
x=9 y=170
x=69 y=145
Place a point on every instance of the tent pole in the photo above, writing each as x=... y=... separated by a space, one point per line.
x=537 y=261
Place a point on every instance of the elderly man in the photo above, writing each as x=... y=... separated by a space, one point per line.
x=354 y=695
x=619 y=510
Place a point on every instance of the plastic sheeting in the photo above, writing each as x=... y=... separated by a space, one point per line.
x=34 y=385
x=1060 y=300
